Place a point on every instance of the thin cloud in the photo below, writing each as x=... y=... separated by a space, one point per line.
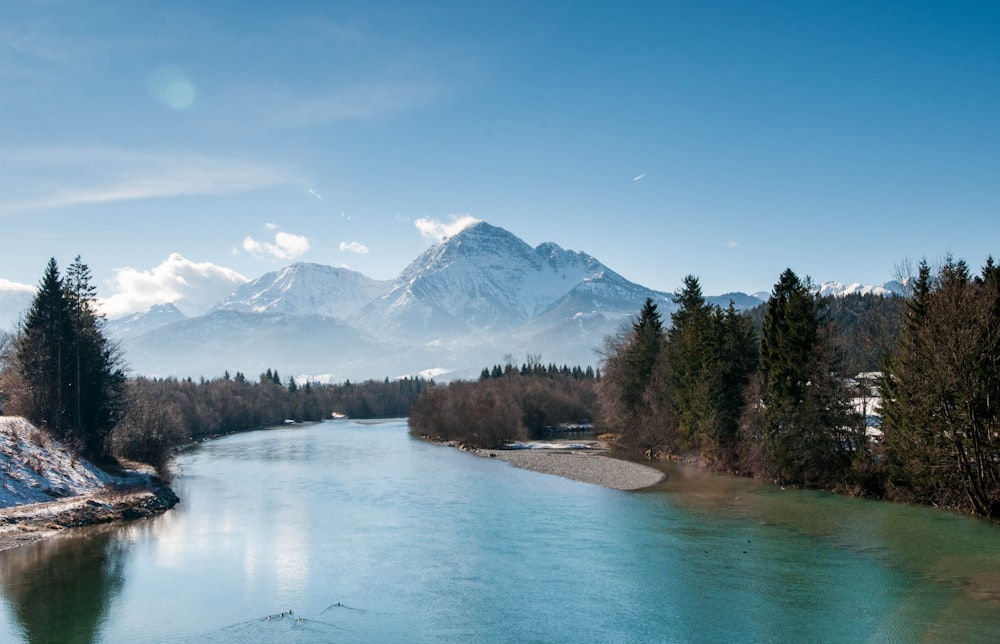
x=354 y=247
x=440 y=231
x=284 y=246
x=191 y=286
x=732 y=244
x=103 y=175
x=361 y=101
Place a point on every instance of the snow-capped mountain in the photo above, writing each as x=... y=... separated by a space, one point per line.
x=483 y=279
x=465 y=303
x=306 y=289
x=838 y=289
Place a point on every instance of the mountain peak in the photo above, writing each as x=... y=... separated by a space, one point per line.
x=484 y=278
x=305 y=289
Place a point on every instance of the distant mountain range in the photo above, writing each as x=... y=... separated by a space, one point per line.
x=475 y=299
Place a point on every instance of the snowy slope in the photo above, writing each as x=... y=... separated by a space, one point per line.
x=35 y=468
x=306 y=289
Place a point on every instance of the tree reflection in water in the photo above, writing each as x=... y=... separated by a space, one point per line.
x=60 y=588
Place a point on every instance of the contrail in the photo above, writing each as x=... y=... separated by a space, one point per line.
x=640 y=177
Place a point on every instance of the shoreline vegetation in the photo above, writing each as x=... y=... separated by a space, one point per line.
x=771 y=397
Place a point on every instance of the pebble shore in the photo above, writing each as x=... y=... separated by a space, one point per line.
x=588 y=466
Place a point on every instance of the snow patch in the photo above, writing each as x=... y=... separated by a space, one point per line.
x=35 y=468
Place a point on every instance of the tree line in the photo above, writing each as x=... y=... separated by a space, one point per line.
x=778 y=402
x=166 y=412
x=507 y=404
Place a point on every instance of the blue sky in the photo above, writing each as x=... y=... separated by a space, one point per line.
x=729 y=140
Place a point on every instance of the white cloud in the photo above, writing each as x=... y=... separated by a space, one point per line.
x=193 y=287
x=439 y=231
x=9 y=286
x=354 y=247
x=94 y=175
x=285 y=245
x=732 y=244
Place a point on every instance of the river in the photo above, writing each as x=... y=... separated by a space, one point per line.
x=355 y=532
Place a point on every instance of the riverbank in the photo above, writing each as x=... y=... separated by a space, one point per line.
x=46 y=487
x=25 y=524
x=588 y=461
x=595 y=466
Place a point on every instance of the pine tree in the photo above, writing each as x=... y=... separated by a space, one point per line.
x=693 y=355
x=942 y=416
x=806 y=405
x=42 y=354
x=71 y=369
x=738 y=356
x=99 y=381
x=634 y=399
x=642 y=352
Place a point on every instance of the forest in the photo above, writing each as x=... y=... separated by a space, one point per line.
x=507 y=404
x=773 y=393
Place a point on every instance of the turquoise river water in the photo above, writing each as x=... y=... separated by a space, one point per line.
x=355 y=532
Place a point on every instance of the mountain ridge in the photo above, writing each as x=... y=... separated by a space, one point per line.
x=469 y=300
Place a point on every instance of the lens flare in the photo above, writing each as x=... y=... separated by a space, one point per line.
x=172 y=87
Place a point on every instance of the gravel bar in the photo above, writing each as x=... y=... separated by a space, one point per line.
x=580 y=465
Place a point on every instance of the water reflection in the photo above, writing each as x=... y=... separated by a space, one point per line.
x=61 y=589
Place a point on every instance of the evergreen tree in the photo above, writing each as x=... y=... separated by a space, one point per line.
x=98 y=391
x=71 y=369
x=42 y=354
x=738 y=356
x=942 y=415
x=693 y=356
x=634 y=393
x=806 y=406
x=643 y=350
